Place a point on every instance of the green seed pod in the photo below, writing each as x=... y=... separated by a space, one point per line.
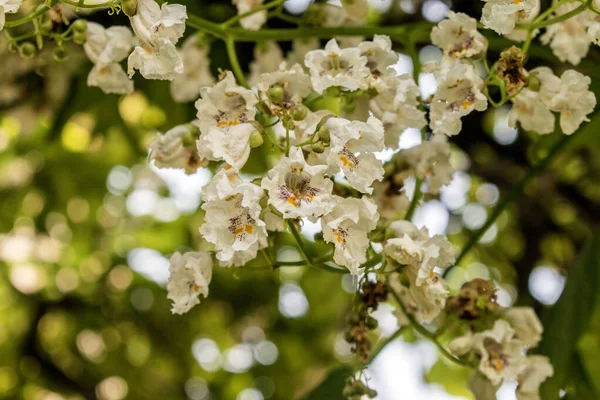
x=318 y=147
x=299 y=112
x=323 y=134
x=79 y=25
x=275 y=94
x=371 y=323
x=27 y=50
x=79 y=37
x=60 y=54
x=129 y=7
x=256 y=139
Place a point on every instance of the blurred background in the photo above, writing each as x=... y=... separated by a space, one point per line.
x=87 y=226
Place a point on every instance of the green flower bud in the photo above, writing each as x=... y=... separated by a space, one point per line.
x=129 y=7
x=299 y=112
x=534 y=83
x=318 y=147
x=372 y=393
x=79 y=37
x=275 y=94
x=371 y=323
x=60 y=54
x=27 y=50
x=256 y=139
x=79 y=25
x=323 y=134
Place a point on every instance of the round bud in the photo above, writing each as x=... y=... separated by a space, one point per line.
x=79 y=37
x=129 y=7
x=79 y=25
x=372 y=393
x=534 y=83
x=60 y=54
x=275 y=94
x=371 y=323
x=323 y=134
x=352 y=319
x=318 y=147
x=256 y=139
x=27 y=49
x=299 y=112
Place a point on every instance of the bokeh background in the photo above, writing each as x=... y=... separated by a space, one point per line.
x=87 y=226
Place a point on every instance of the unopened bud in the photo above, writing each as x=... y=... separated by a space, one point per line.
x=275 y=94
x=318 y=147
x=299 y=112
x=27 y=50
x=533 y=83
x=256 y=139
x=371 y=323
x=79 y=25
x=60 y=54
x=129 y=7
x=323 y=134
x=79 y=37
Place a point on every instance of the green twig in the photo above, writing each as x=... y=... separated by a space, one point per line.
x=24 y=20
x=233 y=20
x=235 y=63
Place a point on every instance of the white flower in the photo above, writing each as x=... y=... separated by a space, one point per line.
x=231 y=145
x=297 y=189
x=527 y=326
x=158 y=28
x=225 y=105
x=335 y=67
x=232 y=220
x=106 y=48
x=294 y=82
x=520 y=34
x=531 y=112
x=538 y=369
x=347 y=226
x=300 y=47
x=425 y=301
x=196 y=71
x=500 y=354
x=380 y=57
x=175 y=149
x=573 y=100
x=267 y=58
x=254 y=21
x=190 y=275
x=430 y=160
x=398 y=108
x=458 y=93
x=502 y=15
x=391 y=202
x=458 y=37
x=353 y=144
x=357 y=10
x=569 y=39
x=8 y=7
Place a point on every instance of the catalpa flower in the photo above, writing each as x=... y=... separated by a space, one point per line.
x=175 y=149
x=357 y=10
x=458 y=93
x=294 y=82
x=232 y=220
x=189 y=277
x=297 y=189
x=398 y=108
x=301 y=46
x=196 y=71
x=231 y=145
x=500 y=354
x=335 y=67
x=157 y=28
x=537 y=370
x=347 y=227
x=520 y=34
x=502 y=15
x=573 y=100
x=458 y=37
x=425 y=301
x=380 y=57
x=525 y=322
x=8 y=7
x=106 y=48
x=352 y=146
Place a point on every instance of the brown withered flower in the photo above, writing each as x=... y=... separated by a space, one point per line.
x=476 y=297
x=510 y=69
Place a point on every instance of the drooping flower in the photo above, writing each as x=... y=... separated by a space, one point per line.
x=502 y=15
x=458 y=94
x=157 y=29
x=527 y=326
x=537 y=370
x=458 y=37
x=190 y=275
x=380 y=57
x=175 y=149
x=347 y=226
x=398 y=108
x=231 y=145
x=294 y=82
x=335 y=67
x=8 y=7
x=520 y=34
x=253 y=21
x=297 y=189
x=573 y=100
x=196 y=71
x=232 y=220
x=425 y=301
x=353 y=144
x=106 y=48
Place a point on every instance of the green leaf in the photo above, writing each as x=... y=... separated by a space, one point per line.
x=332 y=386
x=566 y=322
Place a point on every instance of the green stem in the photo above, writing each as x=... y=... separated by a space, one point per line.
x=299 y=241
x=516 y=191
x=235 y=63
x=427 y=334
x=560 y=18
x=415 y=200
x=239 y=17
x=101 y=5
x=24 y=20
